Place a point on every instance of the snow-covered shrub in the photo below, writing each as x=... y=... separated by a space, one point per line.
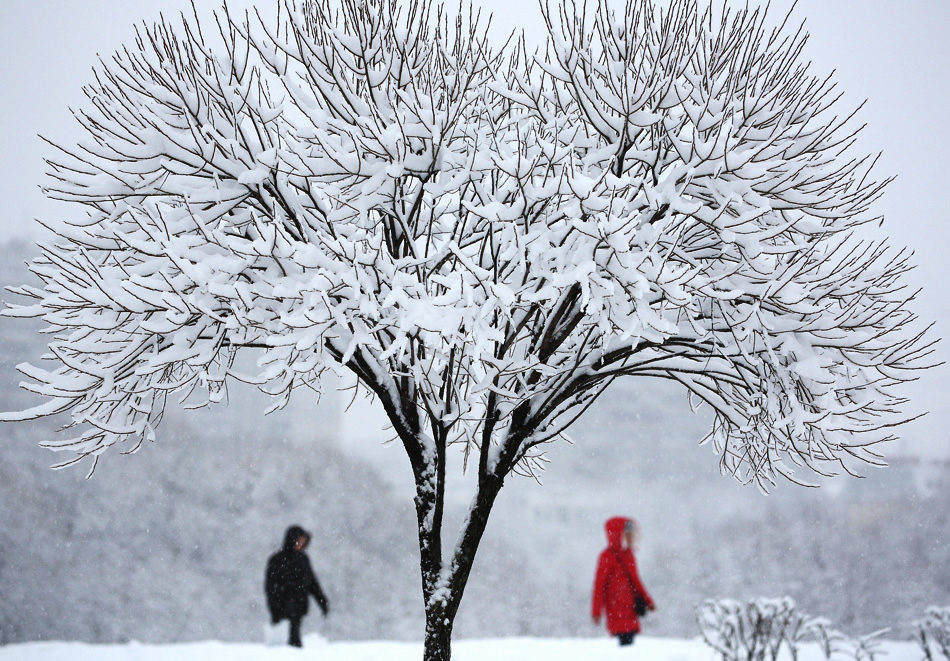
x=933 y=633
x=831 y=641
x=760 y=629
x=751 y=632
x=868 y=648
x=837 y=646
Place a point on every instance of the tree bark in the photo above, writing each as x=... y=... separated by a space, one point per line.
x=438 y=641
x=442 y=586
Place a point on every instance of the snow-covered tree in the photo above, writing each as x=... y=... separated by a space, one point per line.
x=485 y=237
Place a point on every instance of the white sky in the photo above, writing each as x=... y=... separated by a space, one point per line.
x=893 y=53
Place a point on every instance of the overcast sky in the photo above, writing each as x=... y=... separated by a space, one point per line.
x=893 y=53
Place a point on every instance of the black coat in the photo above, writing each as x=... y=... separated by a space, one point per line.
x=290 y=581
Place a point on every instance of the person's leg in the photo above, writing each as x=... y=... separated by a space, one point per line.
x=295 y=632
x=626 y=638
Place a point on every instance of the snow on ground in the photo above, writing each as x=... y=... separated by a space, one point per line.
x=499 y=649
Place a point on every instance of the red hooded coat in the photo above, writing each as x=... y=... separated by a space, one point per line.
x=617 y=583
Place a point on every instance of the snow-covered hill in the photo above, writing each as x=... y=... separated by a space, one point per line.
x=500 y=649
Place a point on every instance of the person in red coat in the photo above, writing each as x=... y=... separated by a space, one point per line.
x=617 y=584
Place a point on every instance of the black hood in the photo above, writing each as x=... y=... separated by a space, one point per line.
x=293 y=533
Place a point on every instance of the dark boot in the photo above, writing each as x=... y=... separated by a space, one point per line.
x=295 y=632
x=626 y=638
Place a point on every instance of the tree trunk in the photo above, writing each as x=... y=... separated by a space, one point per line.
x=443 y=588
x=438 y=641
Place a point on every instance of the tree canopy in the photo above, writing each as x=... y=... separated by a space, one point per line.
x=486 y=238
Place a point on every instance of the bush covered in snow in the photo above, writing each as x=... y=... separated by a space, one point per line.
x=933 y=633
x=751 y=632
x=760 y=629
x=837 y=645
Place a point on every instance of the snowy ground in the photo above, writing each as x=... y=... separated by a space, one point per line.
x=501 y=649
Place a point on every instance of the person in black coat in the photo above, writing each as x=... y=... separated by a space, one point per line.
x=290 y=581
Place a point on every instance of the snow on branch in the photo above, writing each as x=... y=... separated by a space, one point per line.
x=770 y=629
x=933 y=633
x=486 y=238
